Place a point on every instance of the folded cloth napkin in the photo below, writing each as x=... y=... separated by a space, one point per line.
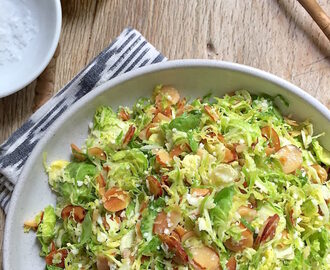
x=129 y=51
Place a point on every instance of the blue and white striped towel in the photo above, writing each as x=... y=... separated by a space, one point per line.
x=129 y=51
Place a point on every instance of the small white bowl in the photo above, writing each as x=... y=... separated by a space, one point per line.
x=46 y=17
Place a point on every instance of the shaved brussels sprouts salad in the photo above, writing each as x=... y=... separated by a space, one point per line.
x=210 y=183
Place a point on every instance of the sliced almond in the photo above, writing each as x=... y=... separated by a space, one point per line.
x=180 y=107
x=115 y=204
x=129 y=135
x=180 y=231
x=211 y=113
x=102 y=263
x=199 y=192
x=165 y=223
x=176 y=235
x=187 y=235
x=247 y=213
x=66 y=211
x=169 y=94
x=205 y=258
x=270 y=134
x=78 y=213
x=267 y=232
x=290 y=157
x=245 y=242
x=321 y=173
x=116 y=200
x=161 y=118
x=231 y=263
x=123 y=114
x=76 y=152
x=96 y=152
x=147 y=131
x=178 y=150
x=164 y=179
x=167 y=112
x=230 y=155
x=102 y=184
x=180 y=256
x=163 y=158
x=49 y=258
x=32 y=224
x=154 y=186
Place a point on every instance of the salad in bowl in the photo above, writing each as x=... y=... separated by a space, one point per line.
x=171 y=183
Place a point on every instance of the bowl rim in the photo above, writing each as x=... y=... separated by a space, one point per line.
x=44 y=63
x=173 y=64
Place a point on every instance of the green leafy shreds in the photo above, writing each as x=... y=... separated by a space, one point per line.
x=45 y=231
x=86 y=230
x=187 y=121
x=221 y=175
x=148 y=218
x=219 y=214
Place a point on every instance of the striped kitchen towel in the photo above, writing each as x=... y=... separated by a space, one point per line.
x=129 y=51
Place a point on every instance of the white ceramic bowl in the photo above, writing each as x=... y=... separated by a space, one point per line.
x=192 y=77
x=46 y=17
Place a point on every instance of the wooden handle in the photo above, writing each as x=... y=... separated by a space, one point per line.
x=318 y=15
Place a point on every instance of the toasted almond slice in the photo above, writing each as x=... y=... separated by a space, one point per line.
x=102 y=184
x=147 y=131
x=165 y=223
x=79 y=213
x=199 y=191
x=168 y=112
x=176 y=235
x=221 y=138
x=115 y=204
x=76 y=152
x=180 y=257
x=154 y=186
x=247 y=213
x=129 y=135
x=96 y=152
x=32 y=224
x=66 y=211
x=267 y=232
x=76 y=212
x=245 y=242
x=290 y=157
x=205 y=258
x=291 y=122
x=211 y=113
x=179 y=149
x=270 y=134
x=164 y=179
x=102 y=263
x=138 y=229
x=187 y=235
x=123 y=114
x=168 y=93
x=161 y=118
x=49 y=258
x=231 y=263
x=100 y=180
x=230 y=156
x=180 y=231
x=163 y=158
x=321 y=172
x=115 y=199
x=180 y=107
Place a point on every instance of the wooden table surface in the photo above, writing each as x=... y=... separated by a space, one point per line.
x=277 y=36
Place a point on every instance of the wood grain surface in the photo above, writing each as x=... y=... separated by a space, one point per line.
x=277 y=36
